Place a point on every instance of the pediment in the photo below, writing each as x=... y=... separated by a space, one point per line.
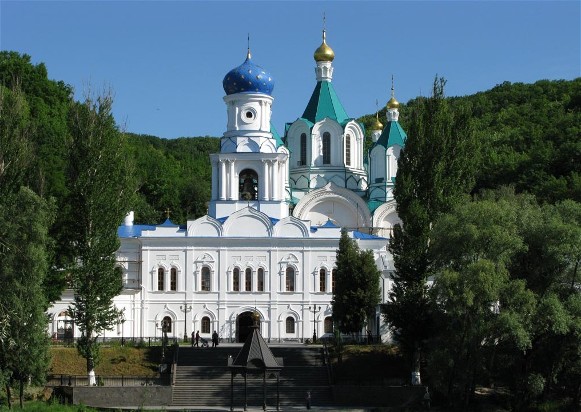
x=248 y=222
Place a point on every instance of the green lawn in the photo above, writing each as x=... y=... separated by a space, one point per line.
x=115 y=361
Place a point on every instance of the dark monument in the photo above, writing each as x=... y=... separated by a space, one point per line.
x=255 y=357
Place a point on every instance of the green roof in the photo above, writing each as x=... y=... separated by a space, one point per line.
x=275 y=135
x=392 y=135
x=325 y=103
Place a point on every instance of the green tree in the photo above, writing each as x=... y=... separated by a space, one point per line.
x=24 y=222
x=472 y=247
x=357 y=291
x=435 y=170
x=98 y=179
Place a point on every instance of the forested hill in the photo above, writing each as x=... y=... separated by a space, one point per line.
x=530 y=135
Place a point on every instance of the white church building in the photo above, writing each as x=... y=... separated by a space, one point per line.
x=269 y=240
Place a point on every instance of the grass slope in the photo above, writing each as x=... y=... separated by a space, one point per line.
x=115 y=361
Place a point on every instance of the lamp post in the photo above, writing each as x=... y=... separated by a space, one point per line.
x=315 y=309
x=186 y=309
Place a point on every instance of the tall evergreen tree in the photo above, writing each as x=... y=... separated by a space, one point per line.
x=435 y=169
x=97 y=177
x=24 y=222
x=356 y=286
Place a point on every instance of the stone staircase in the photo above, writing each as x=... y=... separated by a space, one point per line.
x=203 y=378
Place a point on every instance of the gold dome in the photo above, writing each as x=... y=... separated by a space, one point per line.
x=324 y=53
x=392 y=103
x=376 y=125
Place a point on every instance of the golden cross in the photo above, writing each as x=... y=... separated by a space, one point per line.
x=167 y=212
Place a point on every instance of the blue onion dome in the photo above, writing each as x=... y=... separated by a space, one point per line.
x=248 y=78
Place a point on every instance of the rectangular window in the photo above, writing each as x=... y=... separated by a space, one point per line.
x=303 y=160
x=348 y=150
x=160 y=278
x=260 y=286
x=326 y=148
x=236 y=280
x=248 y=280
x=322 y=281
x=173 y=279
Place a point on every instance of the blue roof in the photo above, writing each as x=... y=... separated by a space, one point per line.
x=329 y=224
x=248 y=78
x=360 y=235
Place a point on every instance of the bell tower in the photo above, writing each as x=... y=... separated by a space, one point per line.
x=252 y=167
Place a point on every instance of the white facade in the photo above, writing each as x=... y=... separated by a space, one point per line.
x=270 y=238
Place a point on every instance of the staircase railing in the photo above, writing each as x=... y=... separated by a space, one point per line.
x=327 y=363
x=174 y=364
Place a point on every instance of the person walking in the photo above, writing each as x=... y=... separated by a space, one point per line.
x=308 y=399
x=214 y=339
x=193 y=338
x=197 y=339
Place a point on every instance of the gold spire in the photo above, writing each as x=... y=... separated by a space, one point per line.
x=376 y=125
x=324 y=53
x=392 y=103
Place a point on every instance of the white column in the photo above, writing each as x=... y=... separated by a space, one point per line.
x=231 y=192
x=275 y=182
x=222 y=179
x=215 y=180
x=265 y=180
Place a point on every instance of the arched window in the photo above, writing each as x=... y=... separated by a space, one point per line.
x=205 y=279
x=290 y=279
x=260 y=280
x=322 y=280
x=326 y=148
x=160 y=278
x=236 y=280
x=303 y=149
x=166 y=324
x=248 y=184
x=333 y=278
x=348 y=150
x=248 y=280
x=328 y=324
x=173 y=277
x=290 y=325
x=205 y=324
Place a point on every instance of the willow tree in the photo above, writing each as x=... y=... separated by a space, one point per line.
x=435 y=170
x=99 y=190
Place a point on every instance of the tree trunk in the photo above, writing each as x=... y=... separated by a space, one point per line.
x=416 y=360
x=21 y=390
x=8 y=394
x=91 y=371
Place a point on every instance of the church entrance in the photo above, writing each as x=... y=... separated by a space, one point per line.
x=244 y=322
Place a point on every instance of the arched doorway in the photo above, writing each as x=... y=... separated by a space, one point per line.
x=244 y=323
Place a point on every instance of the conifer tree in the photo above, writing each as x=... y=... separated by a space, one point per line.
x=435 y=169
x=25 y=219
x=98 y=181
x=356 y=286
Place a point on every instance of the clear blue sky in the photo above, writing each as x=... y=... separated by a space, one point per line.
x=165 y=60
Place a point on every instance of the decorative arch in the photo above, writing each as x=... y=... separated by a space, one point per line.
x=335 y=131
x=248 y=222
x=290 y=227
x=206 y=226
x=248 y=308
x=329 y=197
x=385 y=218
